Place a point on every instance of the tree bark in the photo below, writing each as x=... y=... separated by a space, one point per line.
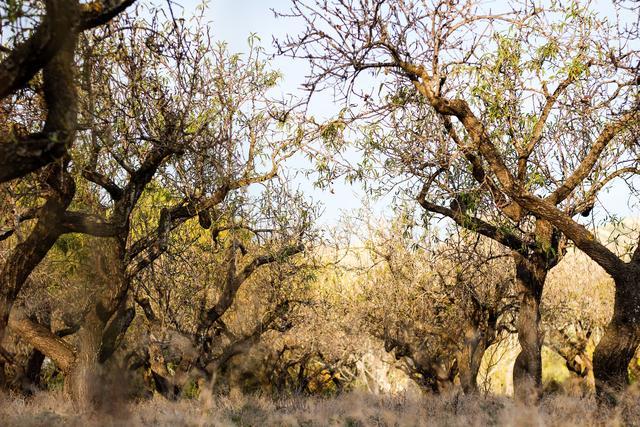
x=61 y=100
x=40 y=337
x=620 y=340
x=82 y=380
x=470 y=356
x=102 y=327
x=527 y=371
x=468 y=366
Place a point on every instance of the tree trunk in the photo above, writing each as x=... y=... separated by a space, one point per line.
x=620 y=339
x=26 y=256
x=60 y=97
x=102 y=329
x=83 y=379
x=470 y=358
x=527 y=371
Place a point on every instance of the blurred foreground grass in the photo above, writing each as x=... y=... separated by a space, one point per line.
x=354 y=409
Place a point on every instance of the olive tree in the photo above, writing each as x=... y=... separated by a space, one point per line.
x=437 y=302
x=176 y=129
x=40 y=122
x=535 y=104
x=41 y=37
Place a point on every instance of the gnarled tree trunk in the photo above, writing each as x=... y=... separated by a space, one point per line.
x=476 y=341
x=60 y=97
x=621 y=337
x=104 y=325
x=469 y=360
x=527 y=371
x=83 y=379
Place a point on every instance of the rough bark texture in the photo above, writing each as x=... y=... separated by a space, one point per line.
x=621 y=338
x=527 y=371
x=470 y=358
x=82 y=382
x=42 y=339
x=531 y=273
x=61 y=100
x=28 y=254
x=101 y=329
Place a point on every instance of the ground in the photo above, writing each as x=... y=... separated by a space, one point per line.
x=355 y=409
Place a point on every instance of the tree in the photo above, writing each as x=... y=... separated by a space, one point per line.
x=42 y=37
x=539 y=102
x=49 y=47
x=254 y=243
x=177 y=129
x=436 y=304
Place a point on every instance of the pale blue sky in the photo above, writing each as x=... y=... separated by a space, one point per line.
x=233 y=21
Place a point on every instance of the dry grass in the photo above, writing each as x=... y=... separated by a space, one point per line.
x=51 y=409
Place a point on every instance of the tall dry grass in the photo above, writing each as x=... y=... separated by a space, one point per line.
x=355 y=409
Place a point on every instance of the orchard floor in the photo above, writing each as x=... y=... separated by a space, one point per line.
x=51 y=409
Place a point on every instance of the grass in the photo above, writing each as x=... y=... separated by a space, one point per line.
x=355 y=409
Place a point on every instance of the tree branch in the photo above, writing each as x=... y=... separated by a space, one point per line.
x=585 y=167
x=538 y=127
x=477 y=225
x=99 y=12
x=25 y=155
x=93 y=225
x=105 y=182
x=26 y=59
x=61 y=352
x=577 y=233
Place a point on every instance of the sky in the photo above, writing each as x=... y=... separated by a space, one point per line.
x=234 y=20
